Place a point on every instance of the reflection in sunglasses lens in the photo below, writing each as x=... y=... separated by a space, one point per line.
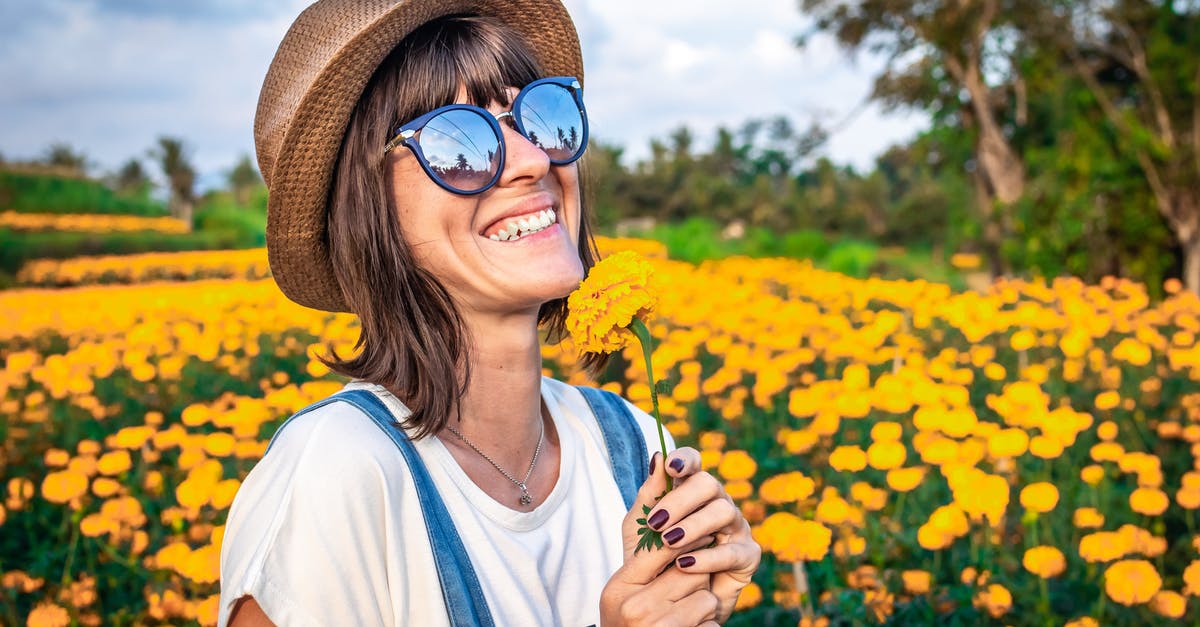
x=552 y=121
x=461 y=148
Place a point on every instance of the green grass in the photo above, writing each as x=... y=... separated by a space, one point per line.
x=40 y=193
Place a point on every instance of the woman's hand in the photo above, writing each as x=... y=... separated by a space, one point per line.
x=700 y=505
x=654 y=587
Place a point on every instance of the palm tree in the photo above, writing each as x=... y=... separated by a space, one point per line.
x=181 y=176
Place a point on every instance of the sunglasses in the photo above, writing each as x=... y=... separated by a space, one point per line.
x=461 y=146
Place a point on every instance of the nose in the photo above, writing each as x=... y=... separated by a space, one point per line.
x=523 y=161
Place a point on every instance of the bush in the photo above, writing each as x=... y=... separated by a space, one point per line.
x=41 y=193
x=17 y=248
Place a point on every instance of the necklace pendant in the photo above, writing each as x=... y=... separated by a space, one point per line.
x=525 y=498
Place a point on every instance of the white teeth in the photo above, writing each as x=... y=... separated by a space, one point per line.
x=525 y=226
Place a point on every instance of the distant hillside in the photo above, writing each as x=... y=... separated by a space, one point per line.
x=26 y=190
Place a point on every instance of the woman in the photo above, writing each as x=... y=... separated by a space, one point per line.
x=421 y=159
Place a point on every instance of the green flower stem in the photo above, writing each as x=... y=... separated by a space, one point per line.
x=643 y=335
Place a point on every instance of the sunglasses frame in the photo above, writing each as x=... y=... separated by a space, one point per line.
x=406 y=135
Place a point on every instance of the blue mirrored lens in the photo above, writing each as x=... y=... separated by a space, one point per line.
x=462 y=149
x=553 y=122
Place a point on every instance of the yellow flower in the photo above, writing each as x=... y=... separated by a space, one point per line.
x=995 y=599
x=1088 y=518
x=114 y=462
x=848 y=458
x=64 y=485
x=1039 y=497
x=1131 y=582
x=1082 y=621
x=905 y=479
x=1169 y=603
x=736 y=465
x=1191 y=579
x=1148 y=501
x=47 y=614
x=792 y=539
x=750 y=596
x=886 y=455
x=1092 y=475
x=1044 y=561
x=787 y=488
x=617 y=289
x=917 y=581
x=1107 y=400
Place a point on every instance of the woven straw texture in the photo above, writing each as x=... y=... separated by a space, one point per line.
x=316 y=78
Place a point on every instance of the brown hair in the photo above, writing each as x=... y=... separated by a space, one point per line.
x=412 y=338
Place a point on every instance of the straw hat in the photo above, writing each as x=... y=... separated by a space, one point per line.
x=315 y=80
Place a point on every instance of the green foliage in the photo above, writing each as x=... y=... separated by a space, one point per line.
x=18 y=247
x=38 y=193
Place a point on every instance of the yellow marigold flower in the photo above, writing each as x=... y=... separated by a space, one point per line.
x=105 y=487
x=1103 y=546
x=886 y=430
x=64 y=485
x=712 y=440
x=1131 y=582
x=850 y=546
x=1044 y=561
x=56 y=458
x=1008 y=443
x=131 y=437
x=47 y=614
x=617 y=289
x=1107 y=400
x=1092 y=474
x=1188 y=498
x=871 y=498
x=1107 y=452
x=995 y=372
x=917 y=581
x=905 y=479
x=1088 y=518
x=792 y=539
x=1045 y=447
x=832 y=509
x=739 y=489
x=736 y=465
x=1082 y=621
x=710 y=459
x=1107 y=431
x=114 y=462
x=749 y=597
x=886 y=454
x=787 y=488
x=1148 y=501
x=1169 y=603
x=1039 y=497
x=94 y=525
x=995 y=599
x=968 y=576
x=1191 y=579
x=848 y=458
x=1023 y=340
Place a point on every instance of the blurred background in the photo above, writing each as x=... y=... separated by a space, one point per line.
x=1035 y=138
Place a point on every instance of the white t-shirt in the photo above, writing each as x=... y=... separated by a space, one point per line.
x=327 y=528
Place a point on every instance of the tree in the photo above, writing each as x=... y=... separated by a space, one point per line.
x=172 y=158
x=958 y=56
x=243 y=179
x=1138 y=59
x=131 y=179
x=62 y=156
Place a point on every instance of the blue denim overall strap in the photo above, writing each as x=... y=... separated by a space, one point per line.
x=461 y=591
x=624 y=439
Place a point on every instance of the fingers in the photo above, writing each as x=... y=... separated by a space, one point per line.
x=735 y=557
x=683 y=462
x=661 y=598
x=696 y=608
x=686 y=498
x=716 y=515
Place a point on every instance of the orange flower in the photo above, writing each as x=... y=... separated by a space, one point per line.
x=1039 y=497
x=1044 y=561
x=1148 y=501
x=917 y=581
x=848 y=459
x=64 y=485
x=995 y=599
x=905 y=479
x=617 y=290
x=1132 y=582
x=737 y=465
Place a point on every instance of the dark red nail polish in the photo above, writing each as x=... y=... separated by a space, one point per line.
x=686 y=560
x=677 y=464
x=653 y=463
x=674 y=535
x=658 y=519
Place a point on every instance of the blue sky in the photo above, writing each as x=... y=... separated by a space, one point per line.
x=109 y=76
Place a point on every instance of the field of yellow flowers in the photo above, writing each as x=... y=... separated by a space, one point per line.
x=906 y=454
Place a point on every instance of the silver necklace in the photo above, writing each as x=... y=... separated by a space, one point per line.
x=525 y=498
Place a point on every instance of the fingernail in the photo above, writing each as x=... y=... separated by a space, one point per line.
x=653 y=462
x=658 y=519
x=685 y=561
x=674 y=535
x=677 y=464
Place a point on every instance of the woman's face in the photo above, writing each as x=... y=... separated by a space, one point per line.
x=450 y=233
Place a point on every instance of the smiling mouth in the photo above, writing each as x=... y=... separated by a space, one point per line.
x=518 y=227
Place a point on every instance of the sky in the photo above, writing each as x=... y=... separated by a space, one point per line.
x=110 y=76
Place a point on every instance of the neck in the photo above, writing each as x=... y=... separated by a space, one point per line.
x=501 y=409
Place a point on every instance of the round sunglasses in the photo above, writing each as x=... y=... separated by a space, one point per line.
x=461 y=146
